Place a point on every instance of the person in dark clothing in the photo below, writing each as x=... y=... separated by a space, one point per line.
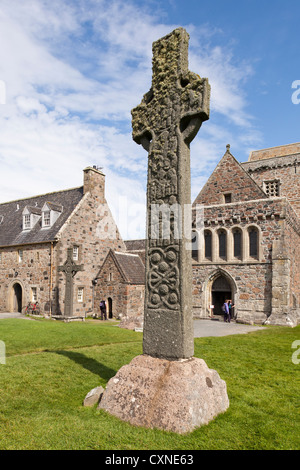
x=226 y=311
x=103 y=310
x=230 y=306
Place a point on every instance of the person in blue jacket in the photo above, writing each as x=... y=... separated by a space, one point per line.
x=225 y=309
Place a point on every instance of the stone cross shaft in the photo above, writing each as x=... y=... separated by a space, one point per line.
x=167 y=119
x=70 y=269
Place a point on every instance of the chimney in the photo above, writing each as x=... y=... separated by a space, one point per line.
x=94 y=182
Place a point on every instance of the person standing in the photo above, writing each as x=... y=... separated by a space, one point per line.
x=230 y=306
x=225 y=309
x=103 y=310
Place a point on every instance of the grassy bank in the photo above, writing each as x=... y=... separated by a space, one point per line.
x=51 y=366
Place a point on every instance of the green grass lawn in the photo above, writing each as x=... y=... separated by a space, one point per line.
x=51 y=366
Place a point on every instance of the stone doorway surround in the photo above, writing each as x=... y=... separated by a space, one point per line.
x=217 y=288
x=109 y=307
x=16 y=296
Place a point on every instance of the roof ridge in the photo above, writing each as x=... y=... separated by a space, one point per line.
x=125 y=253
x=41 y=195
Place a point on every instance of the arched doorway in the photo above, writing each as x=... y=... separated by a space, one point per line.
x=220 y=291
x=17 y=298
x=110 y=310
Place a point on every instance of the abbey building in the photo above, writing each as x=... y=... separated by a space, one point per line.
x=64 y=251
x=249 y=247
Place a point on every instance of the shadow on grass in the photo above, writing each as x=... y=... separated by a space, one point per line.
x=89 y=363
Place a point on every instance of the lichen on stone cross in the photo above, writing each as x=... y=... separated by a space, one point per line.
x=164 y=123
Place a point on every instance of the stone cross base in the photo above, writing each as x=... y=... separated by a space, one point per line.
x=67 y=319
x=176 y=396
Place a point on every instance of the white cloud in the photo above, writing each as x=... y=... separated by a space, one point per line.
x=72 y=73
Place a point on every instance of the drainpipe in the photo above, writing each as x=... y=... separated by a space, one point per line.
x=94 y=283
x=50 y=287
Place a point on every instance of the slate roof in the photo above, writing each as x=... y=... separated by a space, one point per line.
x=131 y=266
x=135 y=245
x=11 y=219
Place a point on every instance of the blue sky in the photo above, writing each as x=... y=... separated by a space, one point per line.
x=70 y=72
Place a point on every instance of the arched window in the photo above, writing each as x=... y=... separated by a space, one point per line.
x=195 y=245
x=237 y=243
x=253 y=242
x=207 y=244
x=222 y=244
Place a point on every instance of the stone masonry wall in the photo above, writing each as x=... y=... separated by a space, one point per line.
x=292 y=246
x=250 y=279
x=229 y=178
x=251 y=285
x=286 y=170
x=93 y=230
x=111 y=284
x=33 y=271
x=281 y=150
x=127 y=299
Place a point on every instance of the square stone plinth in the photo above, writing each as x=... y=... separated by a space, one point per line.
x=176 y=396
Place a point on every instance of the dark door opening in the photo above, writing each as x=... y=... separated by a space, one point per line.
x=17 y=299
x=220 y=292
x=110 y=311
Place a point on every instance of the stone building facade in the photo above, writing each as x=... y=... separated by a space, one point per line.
x=249 y=247
x=35 y=235
x=121 y=283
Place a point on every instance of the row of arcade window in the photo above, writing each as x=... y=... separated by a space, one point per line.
x=224 y=245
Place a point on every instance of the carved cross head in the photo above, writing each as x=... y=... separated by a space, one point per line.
x=178 y=98
x=69 y=267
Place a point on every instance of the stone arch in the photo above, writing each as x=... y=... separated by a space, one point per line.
x=252 y=228
x=222 y=240
x=215 y=293
x=16 y=296
x=195 y=244
x=208 y=244
x=237 y=243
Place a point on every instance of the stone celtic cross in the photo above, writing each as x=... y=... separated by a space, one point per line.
x=167 y=119
x=70 y=269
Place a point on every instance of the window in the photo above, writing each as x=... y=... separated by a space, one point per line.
x=222 y=244
x=207 y=244
x=26 y=222
x=272 y=187
x=20 y=256
x=195 y=245
x=253 y=242
x=237 y=243
x=75 y=253
x=80 y=294
x=34 y=294
x=110 y=276
x=0 y=257
x=227 y=198
x=31 y=215
x=46 y=218
x=50 y=212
